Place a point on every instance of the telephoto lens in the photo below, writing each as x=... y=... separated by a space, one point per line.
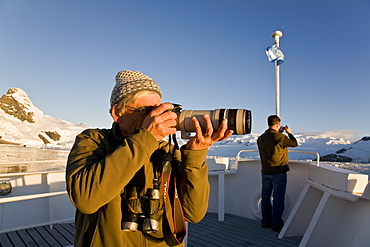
x=130 y=222
x=150 y=204
x=238 y=120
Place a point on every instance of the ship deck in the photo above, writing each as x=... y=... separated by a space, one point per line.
x=234 y=231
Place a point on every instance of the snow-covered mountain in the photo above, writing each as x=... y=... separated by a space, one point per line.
x=330 y=147
x=23 y=123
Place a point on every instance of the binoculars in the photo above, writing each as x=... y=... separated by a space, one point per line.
x=142 y=211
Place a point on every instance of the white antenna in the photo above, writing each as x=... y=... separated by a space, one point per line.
x=276 y=35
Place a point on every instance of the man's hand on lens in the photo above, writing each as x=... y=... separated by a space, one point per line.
x=204 y=140
x=161 y=122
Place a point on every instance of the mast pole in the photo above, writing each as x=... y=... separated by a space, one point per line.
x=276 y=35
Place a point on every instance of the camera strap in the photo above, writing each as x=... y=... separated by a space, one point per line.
x=174 y=216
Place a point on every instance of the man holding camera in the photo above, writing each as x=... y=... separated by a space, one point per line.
x=130 y=187
x=273 y=148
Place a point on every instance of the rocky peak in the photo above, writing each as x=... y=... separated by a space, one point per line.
x=364 y=139
x=23 y=123
x=17 y=104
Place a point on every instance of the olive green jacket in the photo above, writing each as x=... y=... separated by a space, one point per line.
x=273 y=149
x=102 y=163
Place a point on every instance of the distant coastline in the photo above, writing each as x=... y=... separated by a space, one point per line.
x=17 y=158
x=7 y=142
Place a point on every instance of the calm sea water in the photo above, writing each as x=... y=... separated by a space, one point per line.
x=15 y=159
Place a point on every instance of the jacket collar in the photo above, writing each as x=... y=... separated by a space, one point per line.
x=271 y=131
x=116 y=132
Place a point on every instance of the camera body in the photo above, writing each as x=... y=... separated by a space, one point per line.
x=239 y=120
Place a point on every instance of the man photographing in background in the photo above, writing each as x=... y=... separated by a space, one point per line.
x=273 y=148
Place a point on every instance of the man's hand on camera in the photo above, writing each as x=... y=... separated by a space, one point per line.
x=204 y=140
x=288 y=130
x=161 y=122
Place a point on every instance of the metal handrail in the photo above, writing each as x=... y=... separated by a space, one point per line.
x=307 y=152
x=54 y=217
x=17 y=174
x=292 y=151
x=30 y=162
x=242 y=151
x=31 y=197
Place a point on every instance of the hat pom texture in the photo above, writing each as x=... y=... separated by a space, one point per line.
x=130 y=82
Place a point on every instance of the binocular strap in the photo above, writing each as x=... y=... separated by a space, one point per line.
x=176 y=230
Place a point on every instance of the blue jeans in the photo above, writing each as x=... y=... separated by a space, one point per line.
x=275 y=186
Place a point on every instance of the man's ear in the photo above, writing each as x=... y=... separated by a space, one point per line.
x=116 y=114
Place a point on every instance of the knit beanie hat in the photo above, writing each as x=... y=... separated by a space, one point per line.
x=130 y=82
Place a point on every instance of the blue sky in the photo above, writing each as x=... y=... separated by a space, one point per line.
x=205 y=54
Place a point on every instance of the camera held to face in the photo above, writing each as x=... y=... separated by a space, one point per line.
x=239 y=120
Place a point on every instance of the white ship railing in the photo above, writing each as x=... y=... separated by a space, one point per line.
x=290 y=151
x=48 y=185
x=31 y=162
x=31 y=197
x=221 y=179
